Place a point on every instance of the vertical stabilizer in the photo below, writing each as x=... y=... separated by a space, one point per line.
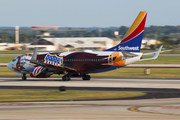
x=131 y=42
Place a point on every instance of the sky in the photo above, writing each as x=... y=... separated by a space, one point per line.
x=87 y=13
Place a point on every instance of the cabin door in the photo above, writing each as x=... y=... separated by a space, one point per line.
x=110 y=59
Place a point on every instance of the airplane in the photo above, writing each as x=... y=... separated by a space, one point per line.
x=80 y=64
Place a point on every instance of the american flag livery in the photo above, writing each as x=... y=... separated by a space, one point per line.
x=53 y=59
x=36 y=71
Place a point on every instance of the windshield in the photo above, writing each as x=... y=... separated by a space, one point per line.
x=14 y=59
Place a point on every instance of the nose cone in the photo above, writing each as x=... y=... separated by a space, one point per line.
x=9 y=65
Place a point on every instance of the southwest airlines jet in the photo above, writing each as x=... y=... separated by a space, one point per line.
x=80 y=64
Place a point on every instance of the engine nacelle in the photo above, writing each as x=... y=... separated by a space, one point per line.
x=40 y=72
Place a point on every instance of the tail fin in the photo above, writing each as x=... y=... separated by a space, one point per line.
x=133 y=38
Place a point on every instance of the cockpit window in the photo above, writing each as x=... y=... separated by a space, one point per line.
x=14 y=59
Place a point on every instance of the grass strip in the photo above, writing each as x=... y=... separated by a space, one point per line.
x=38 y=95
x=139 y=73
x=16 y=52
x=161 y=60
x=6 y=59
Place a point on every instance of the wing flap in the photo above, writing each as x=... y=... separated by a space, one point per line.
x=62 y=68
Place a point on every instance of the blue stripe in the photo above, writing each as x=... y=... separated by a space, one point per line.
x=105 y=69
x=129 y=46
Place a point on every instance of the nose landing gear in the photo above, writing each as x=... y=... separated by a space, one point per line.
x=24 y=77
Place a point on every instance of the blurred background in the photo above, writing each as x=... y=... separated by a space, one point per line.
x=76 y=25
x=59 y=25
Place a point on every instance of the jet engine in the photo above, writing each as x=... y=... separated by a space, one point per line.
x=40 y=72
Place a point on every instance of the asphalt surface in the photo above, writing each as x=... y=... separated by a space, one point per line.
x=94 y=82
x=155 y=88
x=146 y=109
x=152 y=93
x=161 y=102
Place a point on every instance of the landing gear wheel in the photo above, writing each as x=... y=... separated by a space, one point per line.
x=86 y=77
x=66 y=78
x=24 y=77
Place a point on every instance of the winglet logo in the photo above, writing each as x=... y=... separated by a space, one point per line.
x=53 y=60
x=128 y=48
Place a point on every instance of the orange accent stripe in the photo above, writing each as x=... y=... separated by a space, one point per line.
x=120 y=63
x=136 y=23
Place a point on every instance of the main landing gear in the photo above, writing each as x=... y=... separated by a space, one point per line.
x=24 y=77
x=68 y=78
x=86 y=77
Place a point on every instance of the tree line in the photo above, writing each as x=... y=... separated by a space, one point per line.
x=169 y=35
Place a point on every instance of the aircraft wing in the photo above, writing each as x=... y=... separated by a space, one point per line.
x=156 y=54
x=54 y=67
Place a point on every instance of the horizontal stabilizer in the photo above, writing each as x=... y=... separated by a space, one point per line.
x=128 y=54
x=155 y=52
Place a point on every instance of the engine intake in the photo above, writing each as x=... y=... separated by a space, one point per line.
x=40 y=72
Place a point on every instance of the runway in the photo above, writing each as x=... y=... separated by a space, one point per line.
x=153 y=109
x=94 y=82
x=136 y=109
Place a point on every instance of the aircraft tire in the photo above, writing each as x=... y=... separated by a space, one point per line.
x=66 y=78
x=24 y=77
x=86 y=77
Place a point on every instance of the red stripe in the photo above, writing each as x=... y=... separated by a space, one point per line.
x=136 y=32
x=34 y=71
x=39 y=70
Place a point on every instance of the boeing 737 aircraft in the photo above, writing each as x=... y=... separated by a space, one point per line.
x=80 y=64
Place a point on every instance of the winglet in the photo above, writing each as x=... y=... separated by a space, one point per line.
x=156 y=54
x=34 y=57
